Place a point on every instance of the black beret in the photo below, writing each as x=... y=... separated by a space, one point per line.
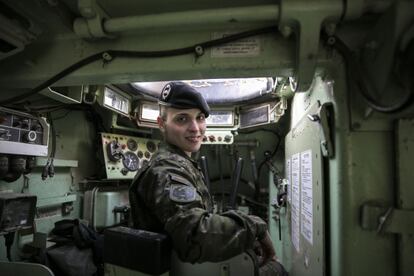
x=183 y=96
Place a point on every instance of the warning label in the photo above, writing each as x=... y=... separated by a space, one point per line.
x=247 y=47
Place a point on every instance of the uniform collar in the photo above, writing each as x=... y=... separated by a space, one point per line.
x=174 y=149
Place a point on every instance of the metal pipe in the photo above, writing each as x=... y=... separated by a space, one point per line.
x=235 y=183
x=253 y=164
x=251 y=14
x=204 y=168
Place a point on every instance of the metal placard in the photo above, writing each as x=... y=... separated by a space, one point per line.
x=306 y=200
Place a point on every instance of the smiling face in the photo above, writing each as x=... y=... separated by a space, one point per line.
x=183 y=128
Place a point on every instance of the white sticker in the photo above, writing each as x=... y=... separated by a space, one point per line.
x=246 y=47
x=307 y=196
x=295 y=201
x=288 y=178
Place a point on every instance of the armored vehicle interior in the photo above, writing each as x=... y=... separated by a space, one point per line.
x=311 y=126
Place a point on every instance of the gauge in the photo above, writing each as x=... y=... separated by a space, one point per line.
x=147 y=155
x=130 y=161
x=140 y=154
x=132 y=144
x=151 y=146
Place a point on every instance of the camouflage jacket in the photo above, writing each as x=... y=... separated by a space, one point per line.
x=169 y=195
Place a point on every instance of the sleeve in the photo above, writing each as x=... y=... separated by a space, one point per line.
x=197 y=235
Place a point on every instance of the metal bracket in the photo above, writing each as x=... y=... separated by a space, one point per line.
x=307 y=26
x=387 y=219
x=91 y=25
x=324 y=117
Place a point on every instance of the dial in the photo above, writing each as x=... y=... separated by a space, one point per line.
x=132 y=144
x=151 y=146
x=130 y=161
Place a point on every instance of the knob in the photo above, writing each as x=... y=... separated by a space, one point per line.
x=227 y=138
x=124 y=171
x=30 y=137
x=212 y=138
x=114 y=151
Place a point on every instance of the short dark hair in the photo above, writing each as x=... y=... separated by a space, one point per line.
x=163 y=112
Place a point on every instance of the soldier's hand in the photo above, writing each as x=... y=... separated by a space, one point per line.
x=268 y=251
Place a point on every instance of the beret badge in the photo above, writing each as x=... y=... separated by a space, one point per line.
x=166 y=92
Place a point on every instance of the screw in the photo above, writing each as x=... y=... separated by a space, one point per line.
x=106 y=56
x=330 y=29
x=331 y=40
x=199 y=50
x=286 y=31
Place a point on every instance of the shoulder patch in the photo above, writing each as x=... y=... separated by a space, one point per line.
x=182 y=193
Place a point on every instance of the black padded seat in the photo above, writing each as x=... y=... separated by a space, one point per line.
x=139 y=250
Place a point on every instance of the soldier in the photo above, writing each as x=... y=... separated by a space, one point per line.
x=169 y=195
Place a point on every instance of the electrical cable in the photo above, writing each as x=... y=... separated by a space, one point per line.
x=354 y=72
x=49 y=169
x=271 y=155
x=55 y=78
x=109 y=55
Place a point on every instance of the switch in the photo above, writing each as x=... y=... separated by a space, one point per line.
x=124 y=171
x=4 y=134
x=30 y=137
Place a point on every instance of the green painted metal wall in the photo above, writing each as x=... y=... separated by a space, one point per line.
x=75 y=160
x=361 y=171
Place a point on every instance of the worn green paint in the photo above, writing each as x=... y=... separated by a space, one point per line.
x=405 y=190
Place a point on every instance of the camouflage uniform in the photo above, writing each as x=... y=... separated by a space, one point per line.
x=169 y=195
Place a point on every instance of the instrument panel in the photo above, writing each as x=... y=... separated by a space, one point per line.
x=223 y=121
x=22 y=133
x=125 y=155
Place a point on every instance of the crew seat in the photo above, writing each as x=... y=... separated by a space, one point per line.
x=133 y=252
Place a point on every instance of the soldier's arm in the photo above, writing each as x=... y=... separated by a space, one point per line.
x=197 y=235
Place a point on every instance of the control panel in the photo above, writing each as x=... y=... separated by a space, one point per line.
x=124 y=155
x=217 y=137
x=22 y=133
x=17 y=211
